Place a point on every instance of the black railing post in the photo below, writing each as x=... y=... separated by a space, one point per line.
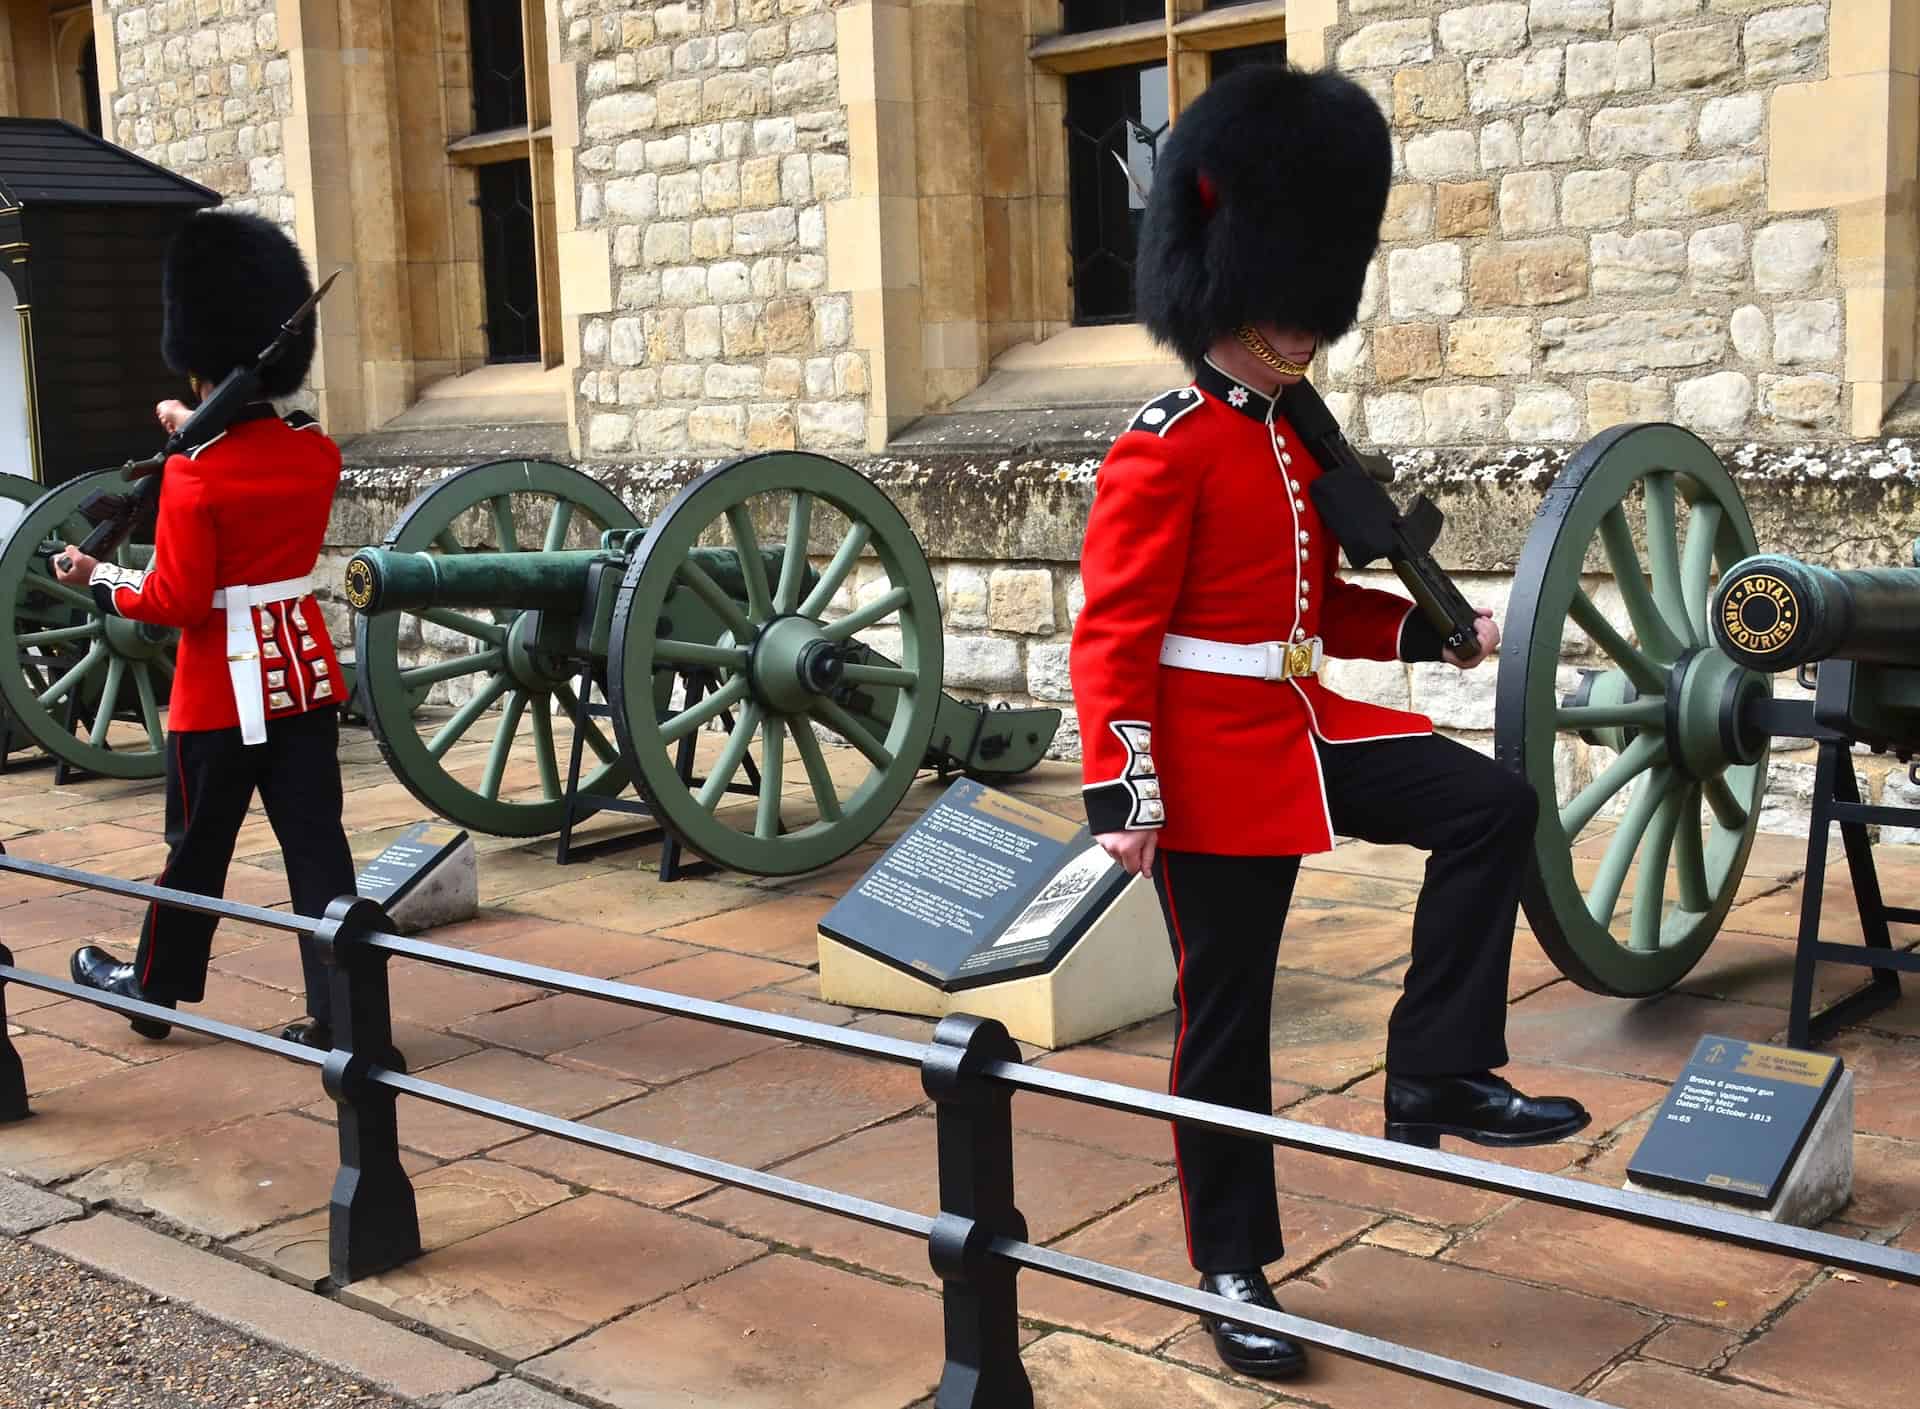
x=13 y=1077
x=974 y=1125
x=373 y=1223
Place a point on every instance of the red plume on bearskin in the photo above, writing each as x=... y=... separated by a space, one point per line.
x=229 y=281
x=1266 y=206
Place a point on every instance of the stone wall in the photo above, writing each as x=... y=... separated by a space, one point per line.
x=203 y=87
x=1579 y=230
x=710 y=138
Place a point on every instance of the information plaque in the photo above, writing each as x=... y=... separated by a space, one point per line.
x=982 y=887
x=1734 y=1121
x=408 y=859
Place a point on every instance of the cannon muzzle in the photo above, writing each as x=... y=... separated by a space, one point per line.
x=384 y=580
x=1776 y=613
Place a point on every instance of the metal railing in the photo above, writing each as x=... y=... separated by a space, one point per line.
x=977 y=1242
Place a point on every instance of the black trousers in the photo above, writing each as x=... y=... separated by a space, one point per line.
x=211 y=780
x=1224 y=916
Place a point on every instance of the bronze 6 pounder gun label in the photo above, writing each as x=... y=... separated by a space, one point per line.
x=1759 y=614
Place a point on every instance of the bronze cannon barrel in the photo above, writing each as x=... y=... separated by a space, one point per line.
x=1772 y=612
x=383 y=580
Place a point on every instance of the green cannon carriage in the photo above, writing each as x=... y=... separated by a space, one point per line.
x=1652 y=768
x=731 y=624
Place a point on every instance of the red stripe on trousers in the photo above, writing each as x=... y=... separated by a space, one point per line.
x=1173 y=1086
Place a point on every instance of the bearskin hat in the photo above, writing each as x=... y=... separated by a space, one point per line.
x=229 y=281
x=1266 y=206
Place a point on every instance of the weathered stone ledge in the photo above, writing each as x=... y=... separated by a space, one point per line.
x=1850 y=504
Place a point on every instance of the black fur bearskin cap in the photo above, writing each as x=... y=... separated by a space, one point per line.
x=229 y=281
x=1266 y=206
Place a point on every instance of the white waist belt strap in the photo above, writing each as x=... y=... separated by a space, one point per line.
x=1263 y=660
x=243 y=647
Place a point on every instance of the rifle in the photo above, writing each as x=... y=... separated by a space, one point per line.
x=1370 y=526
x=114 y=516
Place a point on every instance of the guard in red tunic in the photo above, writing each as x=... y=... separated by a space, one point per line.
x=1214 y=756
x=256 y=682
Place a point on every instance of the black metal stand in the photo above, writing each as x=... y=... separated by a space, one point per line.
x=1836 y=798
x=13 y=1076
x=578 y=806
x=373 y=1224
x=973 y=1121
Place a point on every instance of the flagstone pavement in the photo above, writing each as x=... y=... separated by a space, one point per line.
x=612 y=1282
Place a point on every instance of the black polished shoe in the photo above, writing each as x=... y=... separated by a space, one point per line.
x=1248 y=1349
x=311 y=1032
x=1480 y=1107
x=93 y=967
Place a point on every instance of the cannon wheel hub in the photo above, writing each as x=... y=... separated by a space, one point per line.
x=793 y=660
x=531 y=667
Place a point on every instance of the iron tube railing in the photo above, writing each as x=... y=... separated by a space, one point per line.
x=971 y=1070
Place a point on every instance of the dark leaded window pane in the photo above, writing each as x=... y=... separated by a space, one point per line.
x=499 y=64
x=1222 y=4
x=506 y=250
x=1227 y=60
x=1111 y=113
x=1079 y=16
x=90 y=85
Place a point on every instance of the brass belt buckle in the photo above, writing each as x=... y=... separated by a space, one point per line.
x=1299 y=659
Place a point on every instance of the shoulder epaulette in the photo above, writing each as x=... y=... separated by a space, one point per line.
x=301 y=421
x=1159 y=414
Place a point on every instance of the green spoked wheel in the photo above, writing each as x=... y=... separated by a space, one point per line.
x=492 y=685
x=87 y=687
x=774 y=665
x=17 y=494
x=1649 y=787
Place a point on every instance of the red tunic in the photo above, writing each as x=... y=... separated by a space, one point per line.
x=1202 y=525
x=248 y=508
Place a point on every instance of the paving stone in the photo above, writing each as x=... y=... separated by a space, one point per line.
x=1682 y=1343
x=1326 y=1032
x=403 y=1364
x=24 y=1208
x=1318 y=1176
x=788 y=1003
x=67 y=920
x=577 y=949
x=508 y=1394
x=756 y=1111
x=633 y=902
x=1886 y=1180
x=1778 y=911
x=546 y=1025
x=81 y=1127
x=1668 y=1272
x=51 y=1063
x=505 y=875
x=1070 y=1371
x=231 y=1000
x=1118 y=1131
x=715 y=975
x=1542 y=1334
x=1832 y=1346
x=1568 y=1026
x=226 y=1182
x=453 y=1202
x=1886 y=1074
x=83 y=847
x=1345 y=941
x=438 y=997
x=1059 y=1185
x=1149 y=1236
x=1758 y=969
x=778 y=1334
x=506 y=1292
x=500 y=1076
x=656 y=1051
x=1344 y=888
x=1640 y=1385
x=785 y=928
x=1402 y=1236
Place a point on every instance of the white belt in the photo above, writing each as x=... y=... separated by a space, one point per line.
x=243 y=647
x=1263 y=660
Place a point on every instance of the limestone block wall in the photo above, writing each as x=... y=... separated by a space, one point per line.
x=711 y=138
x=1580 y=230
x=201 y=87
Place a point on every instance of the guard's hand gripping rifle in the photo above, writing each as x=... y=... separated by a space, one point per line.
x=1369 y=525
x=114 y=516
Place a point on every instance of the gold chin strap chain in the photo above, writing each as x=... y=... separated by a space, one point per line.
x=1262 y=349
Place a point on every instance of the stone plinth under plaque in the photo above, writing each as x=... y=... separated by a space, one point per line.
x=991 y=906
x=1764 y=1130
x=428 y=875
